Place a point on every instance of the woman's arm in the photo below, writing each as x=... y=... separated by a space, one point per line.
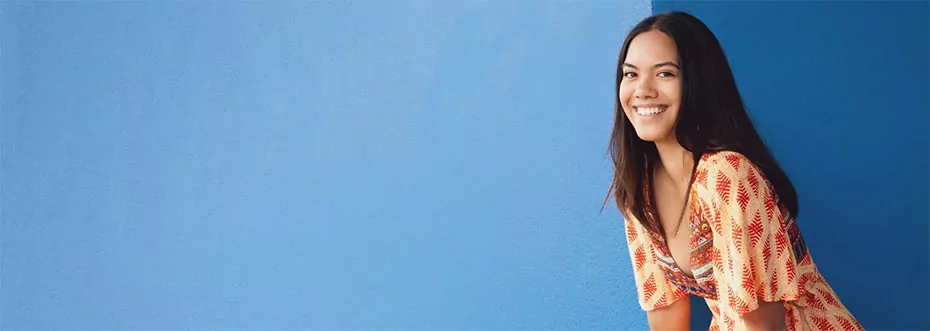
x=755 y=264
x=770 y=316
x=676 y=316
x=667 y=306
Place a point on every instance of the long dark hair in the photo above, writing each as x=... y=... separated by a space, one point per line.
x=712 y=116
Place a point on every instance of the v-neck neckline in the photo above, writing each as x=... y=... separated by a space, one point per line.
x=660 y=236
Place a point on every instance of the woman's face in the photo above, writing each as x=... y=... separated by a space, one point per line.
x=650 y=91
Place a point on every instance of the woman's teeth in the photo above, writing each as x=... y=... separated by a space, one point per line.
x=650 y=111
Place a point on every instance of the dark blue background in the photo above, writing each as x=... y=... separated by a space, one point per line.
x=840 y=92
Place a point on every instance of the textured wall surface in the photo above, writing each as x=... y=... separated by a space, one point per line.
x=311 y=164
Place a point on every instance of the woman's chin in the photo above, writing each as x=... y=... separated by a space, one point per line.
x=653 y=136
x=649 y=136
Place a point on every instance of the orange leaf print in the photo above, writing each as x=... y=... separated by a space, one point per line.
x=723 y=187
x=823 y=324
x=767 y=266
x=701 y=177
x=730 y=323
x=640 y=257
x=734 y=160
x=755 y=229
x=766 y=254
x=717 y=259
x=770 y=206
x=781 y=244
x=846 y=324
x=749 y=280
x=718 y=225
x=742 y=197
x=773 y=286
x=662 y=302
x=649 y=288
x=753 y=182
x=789 y=270
x=814 y=301
x=791 y=321
x=630 y=234
x=828 y=298
x=738 y=237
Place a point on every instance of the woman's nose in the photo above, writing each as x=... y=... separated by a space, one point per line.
x=644 y=89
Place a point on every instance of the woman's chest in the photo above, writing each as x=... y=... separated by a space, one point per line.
x=686 y=256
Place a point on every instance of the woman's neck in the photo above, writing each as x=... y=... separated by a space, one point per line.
x=676 y=162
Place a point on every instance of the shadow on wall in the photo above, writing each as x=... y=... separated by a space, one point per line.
x=817 y=88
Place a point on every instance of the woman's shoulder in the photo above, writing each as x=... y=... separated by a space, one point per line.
x=726 y=174
x=715 y=160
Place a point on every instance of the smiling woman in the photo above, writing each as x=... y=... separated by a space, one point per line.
x=685 y=150
x=652 y=95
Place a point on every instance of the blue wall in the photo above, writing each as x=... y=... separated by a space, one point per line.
x=311 y=164
x=417 y=165
x=840 y=91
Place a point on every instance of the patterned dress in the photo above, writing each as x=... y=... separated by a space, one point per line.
x=745 y=249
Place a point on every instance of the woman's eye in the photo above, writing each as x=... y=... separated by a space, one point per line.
x=666 y=74
x=629 y=74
